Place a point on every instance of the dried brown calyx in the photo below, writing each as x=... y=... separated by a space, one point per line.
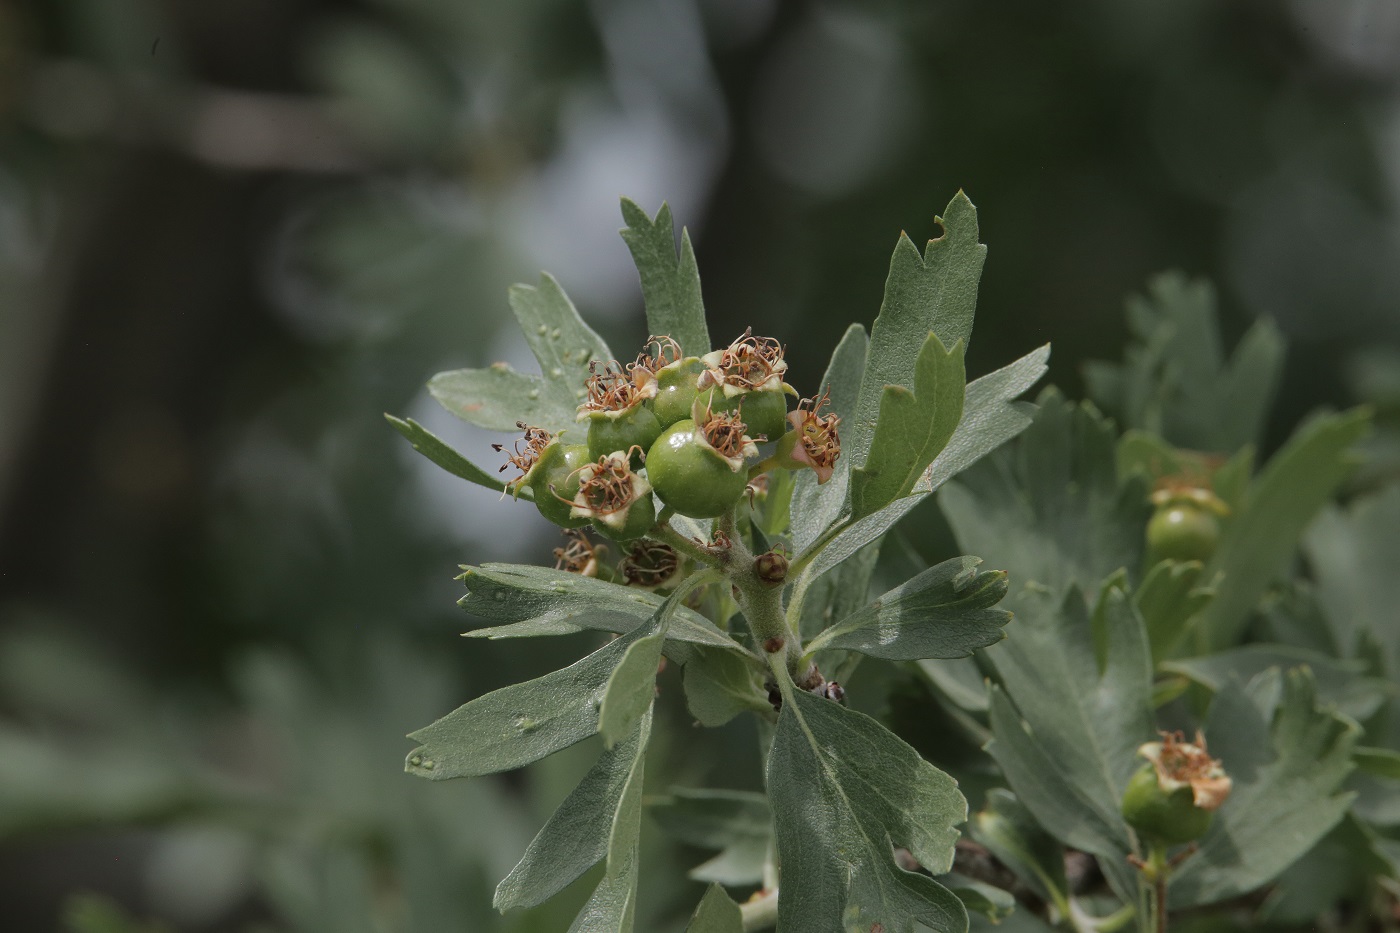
x=649 y=564
x=579 y=554
x=614 y=388
x=817 y=444
x=608 y=487
x=535 y=441
x=749 y=364
x=1179 y=764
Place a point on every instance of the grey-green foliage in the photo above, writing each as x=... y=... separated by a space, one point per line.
x=576 y=836
x=991 y=417
x=945 y=612
x=935 y=292
x=1071 y=705
x=1262 y=535
x=531 y=601
x=716 y=913
x=1051 y=507
x=849 y=791
x=432 y=447
x=1287 y=757
x=915 y=424
x=1175 y=381
x=498 y=396
x=1352 y=553
x=524 y=722
x=737 y=823
x=1011 y=833
x=1341 y=683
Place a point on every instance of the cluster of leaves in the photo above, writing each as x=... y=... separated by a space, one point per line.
x=1288 y=675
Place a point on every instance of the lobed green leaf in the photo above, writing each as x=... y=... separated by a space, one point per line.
x=944 y=612
x=720 y=685
x=1051 y=509
x=1175 y=382
x=990 y=418
x=562 y=343
x=1343 y=684
x=497 y=397
x=936 y=292
x=1352 y=553
x=1169 y=599
x=1072 y=706
x=913 y=428
x=850 y=791
x=670 y=285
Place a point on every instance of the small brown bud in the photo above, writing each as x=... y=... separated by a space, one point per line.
x=773 y=645
x=771 y=567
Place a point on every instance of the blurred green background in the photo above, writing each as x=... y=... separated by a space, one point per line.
x=234 y=232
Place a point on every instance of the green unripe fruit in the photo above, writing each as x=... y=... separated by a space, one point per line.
x=636 y=427
x=556 y=475
x=691 y=476
x=1182 y=530
x=1167 y=818
x=641 y=516
x=765 y=413
x=676 y=388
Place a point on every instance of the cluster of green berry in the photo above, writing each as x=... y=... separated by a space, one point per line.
x=681 y=429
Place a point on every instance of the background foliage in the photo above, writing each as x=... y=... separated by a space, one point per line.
x=233 y=232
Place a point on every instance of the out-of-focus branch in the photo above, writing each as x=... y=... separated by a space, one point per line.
x=246 y=130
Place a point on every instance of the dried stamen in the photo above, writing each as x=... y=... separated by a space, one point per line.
x=746 y=365
x=608 y=486
x=649 y=564
x=657 y=353
x=726 y=432
x=1181 y=764
x=614 y=388
x=535 y=441
x=579 y=555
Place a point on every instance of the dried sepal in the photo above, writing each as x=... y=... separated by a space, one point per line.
x=816 y=441
x=1171 y=491
x=612 y=389
x=579 y=554
x=725 y=432
x=657 y=353
x=649 y=564
x=749 y=364
x=1179 y=764
x=607 y=490
x=524 y=460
